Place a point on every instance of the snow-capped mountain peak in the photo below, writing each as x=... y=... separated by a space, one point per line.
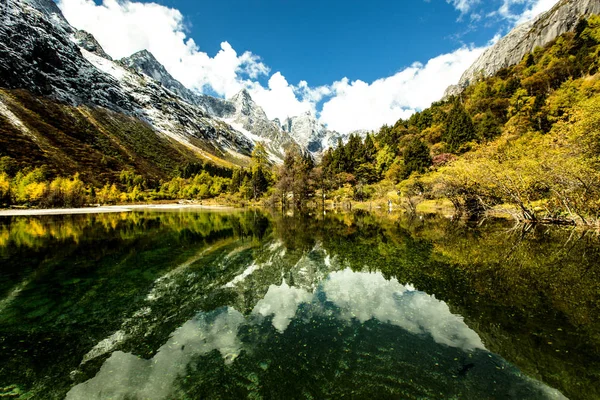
x=243 y=95
x=310 y=133
x=246 y=106
x=42 y=53
x=145 y=63
x=88 y=42
x=250 y=119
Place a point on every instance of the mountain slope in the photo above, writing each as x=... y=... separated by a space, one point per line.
x=250 y=119
x=39 y=52
x=310 y=133
x=95 y=142
x=522 y=40
x=240 y=111
x=145 y=63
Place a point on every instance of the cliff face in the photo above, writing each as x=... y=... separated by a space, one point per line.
x=509 y=50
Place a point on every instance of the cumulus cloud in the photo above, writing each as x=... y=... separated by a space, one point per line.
x=280 y=99
x=360 y=105
x=531 y=9
x=125 y=27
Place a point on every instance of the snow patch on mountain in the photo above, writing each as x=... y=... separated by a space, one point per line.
x=105 y=65
x=88 y=42
x=15 y=121
x=310 y=133
x=41 y=52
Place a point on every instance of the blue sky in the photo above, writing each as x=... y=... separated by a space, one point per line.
x=323 y=41
x=354 y=64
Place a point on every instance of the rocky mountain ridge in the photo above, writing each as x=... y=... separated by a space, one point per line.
x=244 y=114
x=42 y=53
x=310 y=133
x=523 y=39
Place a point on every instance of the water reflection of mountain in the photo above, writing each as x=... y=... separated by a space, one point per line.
x=380 y=324
x=255 y=297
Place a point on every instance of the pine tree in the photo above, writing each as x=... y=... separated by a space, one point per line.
x=370 y=151
x=460 y=128
x=416 y=157
x=236 y=181
x=339 y=158
x=260 y=184
x=260 y=162
x=354 y=154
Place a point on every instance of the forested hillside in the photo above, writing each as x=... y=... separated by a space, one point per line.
x=528 y=137
x=526 y=141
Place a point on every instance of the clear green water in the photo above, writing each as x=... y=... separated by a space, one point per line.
x=189 y=305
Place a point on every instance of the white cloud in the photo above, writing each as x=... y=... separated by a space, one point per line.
x=528 y=9
x=127 y=376
x=124 y=27
x=364 y=296
x=282 y=303
x=360 y=105
x=464 y=6
x=280 y=99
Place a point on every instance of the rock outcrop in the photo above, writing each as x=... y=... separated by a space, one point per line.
x=310 y=133
x=522 y=40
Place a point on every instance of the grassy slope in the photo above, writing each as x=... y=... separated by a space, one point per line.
x=94 y=142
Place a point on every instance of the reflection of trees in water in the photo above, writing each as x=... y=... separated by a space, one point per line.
x=516 y=288
x=38 y=232
x=86 y=275
x=535 y=283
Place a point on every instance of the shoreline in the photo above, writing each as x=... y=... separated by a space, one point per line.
x=108 y=209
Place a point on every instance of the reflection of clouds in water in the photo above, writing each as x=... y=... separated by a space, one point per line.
x=360 y=296
x=365 y=296
x=128 y=376
x=281 y=302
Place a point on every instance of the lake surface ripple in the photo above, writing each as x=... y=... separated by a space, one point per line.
x=247 y=304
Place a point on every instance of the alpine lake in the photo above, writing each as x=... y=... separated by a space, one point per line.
x=198 y=304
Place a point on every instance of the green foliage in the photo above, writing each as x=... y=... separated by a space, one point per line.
x=190 y=169
x=416 y=157
x=130 y=180
x=8 y=165
x=261 y=176
x=384 y=159
x=35 y=187
x=487 y=126
x=527 y=138
x=199 y=187
x=299 y=180
x=460 y=129
x=5 y=197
